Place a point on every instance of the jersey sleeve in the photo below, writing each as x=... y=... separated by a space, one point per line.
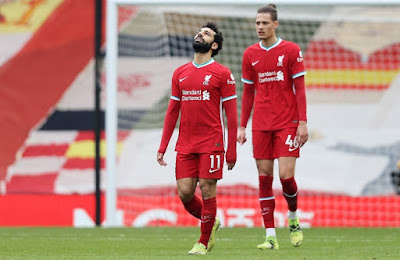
x=246 y=69
x=301 y=97
x=228 y=85
x=172 y=114
x=231 y=116
x=229 y=103
x=171 y=117
x=175 y=93
x=247 y=104
x=298 y=72
x=296 y=64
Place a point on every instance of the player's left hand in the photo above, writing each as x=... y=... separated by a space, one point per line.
x=241 y=137
x=231 y=165
x=302 y=133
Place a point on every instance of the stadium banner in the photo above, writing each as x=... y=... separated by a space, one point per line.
x=47 y=210
x=234 y=211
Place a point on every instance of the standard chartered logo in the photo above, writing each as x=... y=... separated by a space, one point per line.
x=206 y=95
x=279 y=76
x=191 y=92
x=195 y=95
x=271 y=76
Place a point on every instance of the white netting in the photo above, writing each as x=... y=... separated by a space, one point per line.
x=352 y=58
x=351 y=53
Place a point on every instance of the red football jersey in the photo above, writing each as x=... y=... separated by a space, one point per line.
x=201 y=89
x=271 y=70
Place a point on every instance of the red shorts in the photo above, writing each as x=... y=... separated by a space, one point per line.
x=199 y=165
x=270 y=145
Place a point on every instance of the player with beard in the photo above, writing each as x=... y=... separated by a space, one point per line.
x=200 y=90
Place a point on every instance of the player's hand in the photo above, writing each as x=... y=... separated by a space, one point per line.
x=241 y=138
x=231 y=165
x=160 y=159
x=302 y=133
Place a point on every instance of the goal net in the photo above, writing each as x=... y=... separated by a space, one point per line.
x=352 y=59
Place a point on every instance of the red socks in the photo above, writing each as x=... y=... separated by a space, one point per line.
x=208 y=213
x=289 y=190
x=194 y=206
x=205 y=210
x=267 y=200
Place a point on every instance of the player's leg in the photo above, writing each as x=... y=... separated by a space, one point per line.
x=208 y=213
x=210 y=170
x=186 y=180
x=289 y=185
x=267 y=203
x=262 y=150
x=287 y=153
x=187 y=176
x=289 y=190
x=186 y=189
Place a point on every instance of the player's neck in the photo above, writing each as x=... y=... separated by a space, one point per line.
x=200 y=58
x=269 y=41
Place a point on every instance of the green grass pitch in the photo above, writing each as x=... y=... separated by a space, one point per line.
x=174 y=243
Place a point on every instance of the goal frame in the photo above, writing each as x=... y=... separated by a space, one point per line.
x=111 y=218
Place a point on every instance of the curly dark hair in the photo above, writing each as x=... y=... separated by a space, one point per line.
x=217 y=37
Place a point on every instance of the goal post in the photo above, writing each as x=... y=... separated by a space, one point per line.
x=349 y=74
x=111 y=86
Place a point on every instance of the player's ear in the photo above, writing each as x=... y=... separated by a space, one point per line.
x=214 y=46
x=276 y=23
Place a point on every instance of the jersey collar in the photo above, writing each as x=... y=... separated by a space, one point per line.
x=204 y=64
x=278 y=41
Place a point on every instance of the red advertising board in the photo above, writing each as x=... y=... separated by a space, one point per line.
x=234 y=211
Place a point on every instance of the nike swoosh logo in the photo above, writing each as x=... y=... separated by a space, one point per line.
x=182 y=79
x=292 y=149
x=211 y=171
x=254 y=63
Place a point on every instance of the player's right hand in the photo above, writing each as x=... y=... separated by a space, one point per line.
x=160 y=159
x=241 y=138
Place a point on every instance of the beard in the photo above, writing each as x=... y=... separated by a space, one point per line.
x=201 y=47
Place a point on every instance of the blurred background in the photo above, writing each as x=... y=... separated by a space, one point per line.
x=349 y=171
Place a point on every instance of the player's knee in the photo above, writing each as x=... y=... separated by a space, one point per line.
x=185 y=193
x=265 y=171
x=286 y=172
x=208 y=189
x=265 y=167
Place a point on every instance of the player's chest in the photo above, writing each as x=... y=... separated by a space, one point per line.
x=199 y=80
x=269 y=61
x=270 y=68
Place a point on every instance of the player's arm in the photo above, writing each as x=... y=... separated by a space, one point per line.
x=247 y=99
x=302 y=130
x=247 y=106
x=229 y=104
x=230 y=107
x=170 y=118
x=169 y=125
x=298 y=72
